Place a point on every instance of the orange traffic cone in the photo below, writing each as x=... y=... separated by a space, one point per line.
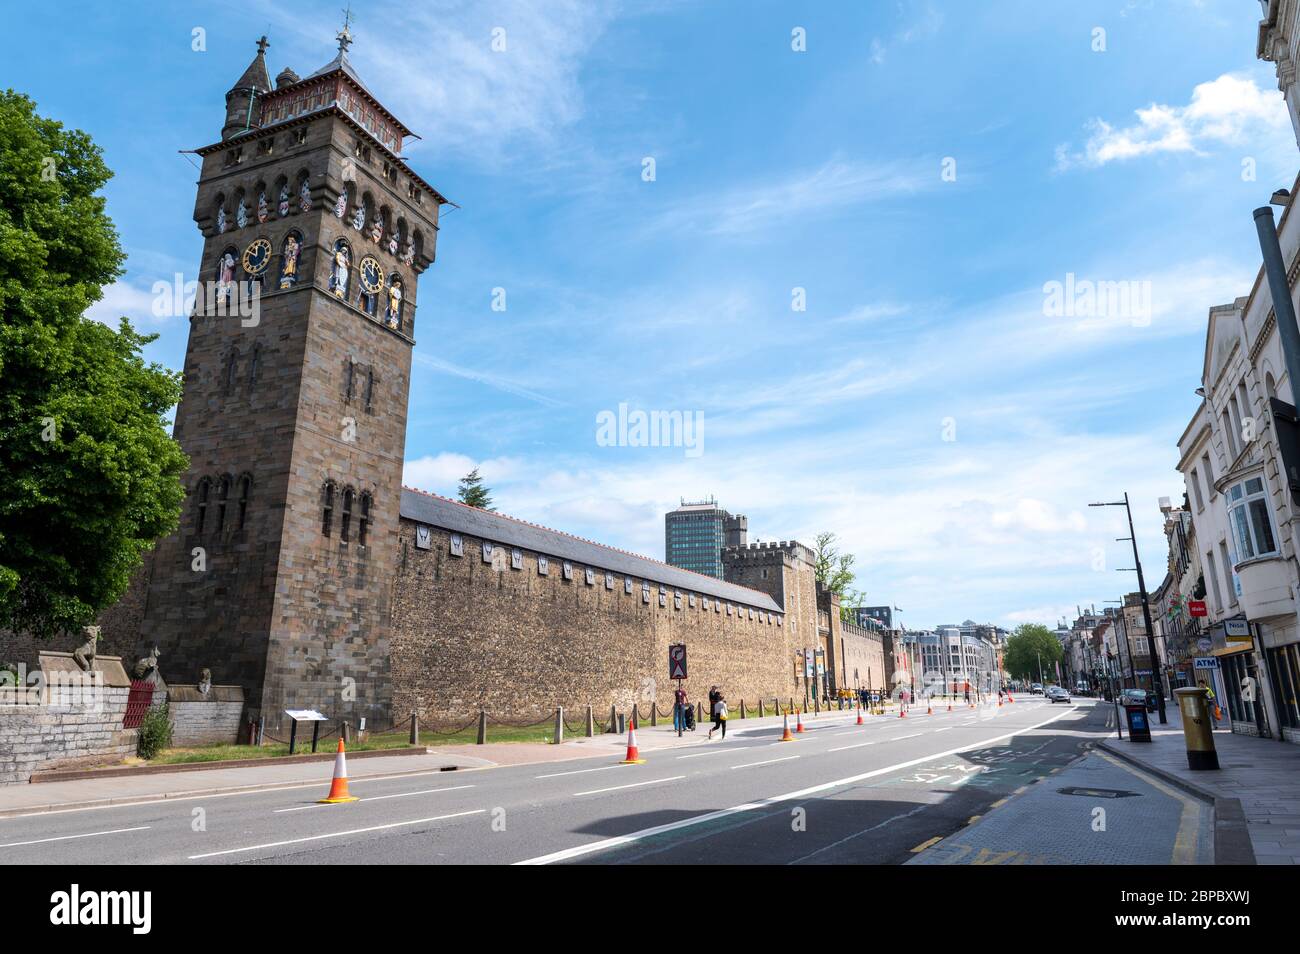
x=860 y=715
x=929 y=707
x=1010 y=698
x=339 y=787
x=785 y=733
x=633 y=756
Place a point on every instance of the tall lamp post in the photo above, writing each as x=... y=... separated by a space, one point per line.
x=1146 y=607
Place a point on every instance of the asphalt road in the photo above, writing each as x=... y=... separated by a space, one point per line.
x=841 y=793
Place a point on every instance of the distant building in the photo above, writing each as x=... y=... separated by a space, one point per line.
x=873 y=617
x=695 y=533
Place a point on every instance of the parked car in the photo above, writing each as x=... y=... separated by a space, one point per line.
x=1138 y=697
x=1057 y=694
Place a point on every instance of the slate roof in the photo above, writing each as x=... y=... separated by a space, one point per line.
x=452 y=515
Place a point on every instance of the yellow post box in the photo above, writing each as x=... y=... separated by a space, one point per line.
x=1194 y=707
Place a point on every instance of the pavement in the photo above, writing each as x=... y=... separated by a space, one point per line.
x=1096 y=811
x=1255 y=790
x=841 y=793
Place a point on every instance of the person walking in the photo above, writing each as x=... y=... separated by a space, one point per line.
x=719 y=716
x=679 y=708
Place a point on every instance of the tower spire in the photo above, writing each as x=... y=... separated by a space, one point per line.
x=344 y=36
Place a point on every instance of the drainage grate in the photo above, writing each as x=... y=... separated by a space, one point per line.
x=1100 y=792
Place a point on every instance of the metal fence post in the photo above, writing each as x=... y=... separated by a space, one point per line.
x=415 y=728
x=482 y=727
x=559 y=724
x=591 y=723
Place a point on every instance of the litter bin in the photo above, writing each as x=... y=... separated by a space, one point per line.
x=1194 y=707
x=1139 y=729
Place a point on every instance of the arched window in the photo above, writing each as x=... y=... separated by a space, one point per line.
x=245 y=488
x=345 y=525
x=240 y=204
x=281 y=197
x=363 y=524
x=302 y=195
x=254 y=361
x=349 y=382
x=201 y=510
x=1270 y=385
x=327 y=508
x=370 y=390
x=219 y=214
x=223 y=495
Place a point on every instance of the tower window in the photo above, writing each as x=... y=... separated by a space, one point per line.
x=205 y=486
x=245 y=485
x=370 y=390
x=345 y=525
x=364 y=523
x=348 y=385
x=232 y=362
x=327 y=511
x=223 y=495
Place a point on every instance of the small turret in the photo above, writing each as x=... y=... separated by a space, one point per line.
x=241 y=100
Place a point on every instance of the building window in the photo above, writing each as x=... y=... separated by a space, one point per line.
x=345 y=523
x=1196 y=490
x=327 y=508
x=223 y=495
x=205 y=487
x=363 y=524
x=245 y=485
x=1252 y=528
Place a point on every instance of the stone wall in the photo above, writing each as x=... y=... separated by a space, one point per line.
x=861 y=656
x=205 y=718
x=43 y=737
x=468 y=633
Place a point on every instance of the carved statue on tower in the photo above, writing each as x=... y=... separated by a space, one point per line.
x=359 y=217
x=225 y=277
x=341 y=206
x=289 y=264
x=339 y=270
x=394 y=314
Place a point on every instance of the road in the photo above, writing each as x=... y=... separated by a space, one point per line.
x=841 y=793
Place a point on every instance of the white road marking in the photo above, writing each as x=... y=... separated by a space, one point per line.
x=843 y=748
x=900 y=738
x=767 y=762
x=697 y=755
x=945 y=728
x=336 y=834
x=615 y=788
x=89 y=834
x=607 y=843
x=603 y=768
x=375 y=798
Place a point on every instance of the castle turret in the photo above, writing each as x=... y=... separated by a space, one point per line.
x=242 y=99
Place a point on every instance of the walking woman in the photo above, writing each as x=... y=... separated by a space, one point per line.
x=719 y=715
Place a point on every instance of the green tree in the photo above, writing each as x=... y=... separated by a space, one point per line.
x=1025 y=646
x=473 y=492
x=91 y=477
x=834 y=570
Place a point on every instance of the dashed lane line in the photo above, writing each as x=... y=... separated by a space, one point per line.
x=615 y=788
x=89 y=834
x=335 y=834
x=375 y=798
x=767 y=762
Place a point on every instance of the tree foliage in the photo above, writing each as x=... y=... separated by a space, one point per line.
x=91 y=477
x=473 y=491
x=1024 y=647
x=834 y=570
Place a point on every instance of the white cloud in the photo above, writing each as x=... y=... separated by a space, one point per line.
x=756 y=208
x=1230 y=110
x=441 y=473
x=122 y=299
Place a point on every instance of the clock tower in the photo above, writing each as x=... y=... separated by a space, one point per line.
x=297 y=371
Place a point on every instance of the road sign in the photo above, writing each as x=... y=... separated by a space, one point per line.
x=1197 y=608
x=1236 y=629
x=1205 y=662
x=677 y=661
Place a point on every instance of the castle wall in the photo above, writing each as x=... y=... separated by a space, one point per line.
x=467 y=633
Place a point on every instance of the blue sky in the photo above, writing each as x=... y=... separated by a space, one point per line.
x=923 y=406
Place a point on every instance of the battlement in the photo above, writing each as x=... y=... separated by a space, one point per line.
x=771 y=552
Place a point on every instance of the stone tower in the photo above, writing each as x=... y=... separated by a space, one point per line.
x=293 y=415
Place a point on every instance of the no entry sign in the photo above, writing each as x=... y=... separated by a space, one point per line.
x=677 y=661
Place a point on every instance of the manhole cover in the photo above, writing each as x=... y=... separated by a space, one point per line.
x=1099 y=792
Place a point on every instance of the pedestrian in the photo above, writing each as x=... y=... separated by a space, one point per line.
x=719 y=716
x=679 y=708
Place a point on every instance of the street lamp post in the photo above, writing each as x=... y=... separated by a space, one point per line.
x=1146 y=607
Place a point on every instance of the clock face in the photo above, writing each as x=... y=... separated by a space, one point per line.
x=257 y=256
x=372 y=276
